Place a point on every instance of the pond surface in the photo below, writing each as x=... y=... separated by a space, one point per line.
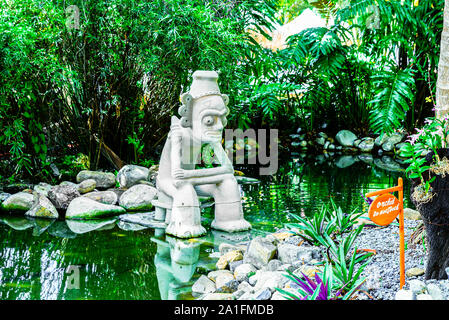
x=42 y=259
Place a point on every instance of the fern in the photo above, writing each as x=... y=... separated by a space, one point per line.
x=393 y=97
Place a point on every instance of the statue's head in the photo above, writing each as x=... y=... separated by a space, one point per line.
x=204 y=108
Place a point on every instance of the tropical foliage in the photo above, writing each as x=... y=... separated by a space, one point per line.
x=373 y=69
x=102 y=78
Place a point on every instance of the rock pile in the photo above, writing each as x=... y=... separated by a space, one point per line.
x=347 y=142
x=419 y=290
x=83 y=200
x=254 y=271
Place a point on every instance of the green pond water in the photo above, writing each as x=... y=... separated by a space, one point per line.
x=42 y=259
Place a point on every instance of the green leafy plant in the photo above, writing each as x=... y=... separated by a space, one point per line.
x=431 y=137
x=324 y=286
x=315 y=228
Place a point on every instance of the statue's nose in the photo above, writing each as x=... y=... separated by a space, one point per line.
x=219 y=124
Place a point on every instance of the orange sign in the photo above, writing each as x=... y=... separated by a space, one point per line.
x=384 y=209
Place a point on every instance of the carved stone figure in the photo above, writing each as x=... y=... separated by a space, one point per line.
x=179 y=182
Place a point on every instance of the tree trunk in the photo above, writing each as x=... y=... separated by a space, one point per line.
x=442 y=89
x=435 y=214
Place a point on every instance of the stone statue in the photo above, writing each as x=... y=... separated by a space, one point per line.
x=179 y=182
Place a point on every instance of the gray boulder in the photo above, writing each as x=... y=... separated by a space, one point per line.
x=131 y=175
x=346 y=138
x=291 y=254
x=380 y=140
x=366 y=145
x=138 y=198
x=395 y=138
x=260 y=252
x=4 y=196
x=269 y=279
x=203 y=285
x=274 y=265
x=22 y=201
x=387 y=146
x=42 y=188
x=62 y=195
x=85 y=208
x=42 y=208
x=68 y=183
x=106 y=197
x=242 y=271
x=87 y=186
x=226 y=283
x=103 y=180
x=263 y=294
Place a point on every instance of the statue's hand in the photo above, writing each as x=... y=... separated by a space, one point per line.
x=229 y=169
x=179 y=174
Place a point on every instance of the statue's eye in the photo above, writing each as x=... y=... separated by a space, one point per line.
x=208 y=120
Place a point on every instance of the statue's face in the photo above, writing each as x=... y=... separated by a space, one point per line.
x=209 y=119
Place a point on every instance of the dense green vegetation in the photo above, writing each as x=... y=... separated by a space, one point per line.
x=106 y=88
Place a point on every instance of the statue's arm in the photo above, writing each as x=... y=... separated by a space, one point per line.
x=176 y=143
x=225 y=168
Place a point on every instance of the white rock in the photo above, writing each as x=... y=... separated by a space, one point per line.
x=411 y=214
x=245 y=286
x=203 y=285
x=223 y=279
x=22 y=201
x=417 y=286
x=424 y=297
x=42 y=208
x=270 y=279
x=138 y=197
x=405 y=295
x=289 y=253
x=216 y=273
x=130 y=175
x=106 y=197
x=86 y=186
x=259 y=252
x=85 y=208
x=102 y=179
x=242 y=271
x=278 y=296
x=435 y=291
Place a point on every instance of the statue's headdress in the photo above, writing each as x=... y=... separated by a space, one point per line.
x=204 y=84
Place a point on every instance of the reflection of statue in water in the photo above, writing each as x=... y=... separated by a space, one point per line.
x=203 y=117
x=176 y=261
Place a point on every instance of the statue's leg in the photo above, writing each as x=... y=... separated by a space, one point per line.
x=185 y=219
x=228 y=206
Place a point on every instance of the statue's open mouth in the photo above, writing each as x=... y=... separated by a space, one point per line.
x=213 y=134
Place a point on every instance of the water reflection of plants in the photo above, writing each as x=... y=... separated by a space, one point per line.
x=301 y=187
x=36 y=263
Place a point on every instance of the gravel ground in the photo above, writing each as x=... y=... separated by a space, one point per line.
x=383 y=270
